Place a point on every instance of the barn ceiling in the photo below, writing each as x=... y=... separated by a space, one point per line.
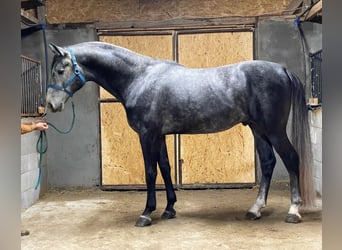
x=34 y=12
x=307 y=10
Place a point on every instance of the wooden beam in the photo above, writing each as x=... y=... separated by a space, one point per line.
x=314 y=10
x=306 y=4
x=28 y=18
x=176 y=23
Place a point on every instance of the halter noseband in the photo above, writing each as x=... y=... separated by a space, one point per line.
x=76 y=73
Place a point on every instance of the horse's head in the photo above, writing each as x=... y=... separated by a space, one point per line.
x=66 y=78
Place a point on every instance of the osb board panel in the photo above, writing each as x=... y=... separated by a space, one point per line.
x=214 y=49
x=122 y=160
x=225 y=157
x=120 y=144
x=157 y=46
x=65 y=11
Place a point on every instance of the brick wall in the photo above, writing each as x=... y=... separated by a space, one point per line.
x=30 y=168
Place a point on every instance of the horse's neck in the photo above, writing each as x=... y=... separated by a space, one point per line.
x=113 y=68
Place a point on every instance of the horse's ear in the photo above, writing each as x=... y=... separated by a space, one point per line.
x=57 y=50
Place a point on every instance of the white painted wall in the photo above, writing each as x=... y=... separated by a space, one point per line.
x=316 y=138
x=30 y=168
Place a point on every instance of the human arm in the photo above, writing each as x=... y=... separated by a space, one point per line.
x=27 y=127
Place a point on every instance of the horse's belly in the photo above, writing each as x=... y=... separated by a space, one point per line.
x=193 y=124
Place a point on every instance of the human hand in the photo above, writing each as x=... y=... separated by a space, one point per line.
x=40 y=125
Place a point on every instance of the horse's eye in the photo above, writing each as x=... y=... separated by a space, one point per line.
x=60 y=71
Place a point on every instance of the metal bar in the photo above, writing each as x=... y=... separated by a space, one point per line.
x=316 y=75
x=133 y=33
x=25 y=58
x=32 y=91
x=217 y=30
x=142 y=187
x=130 y=187
x=176 y=24
x=177 y=137
x=218 y=185
x=106 y=100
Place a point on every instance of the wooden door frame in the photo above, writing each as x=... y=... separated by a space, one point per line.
x=177 y=137
x=179 y=162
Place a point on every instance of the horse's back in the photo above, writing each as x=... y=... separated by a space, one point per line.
x=185 y=100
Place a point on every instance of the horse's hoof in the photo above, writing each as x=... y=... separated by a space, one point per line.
x=143 y=221
x=293 y=218
x=251 y=216
x=168 y=215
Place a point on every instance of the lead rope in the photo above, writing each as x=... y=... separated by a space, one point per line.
x=43 y=138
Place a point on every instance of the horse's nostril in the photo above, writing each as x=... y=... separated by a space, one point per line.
x=49 y=105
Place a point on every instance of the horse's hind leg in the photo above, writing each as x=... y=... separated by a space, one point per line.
x=290 y=158
x=165 y=170
x=267 y=162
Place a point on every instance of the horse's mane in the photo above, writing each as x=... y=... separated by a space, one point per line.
x=120 y=51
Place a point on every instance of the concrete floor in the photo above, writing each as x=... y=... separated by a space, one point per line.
x=206 y=219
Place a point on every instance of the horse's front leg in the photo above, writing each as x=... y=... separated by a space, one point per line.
x=150 y=153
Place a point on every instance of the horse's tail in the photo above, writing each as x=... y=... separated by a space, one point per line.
x=301 y=141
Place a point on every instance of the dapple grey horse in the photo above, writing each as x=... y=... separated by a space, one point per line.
x=162 y=97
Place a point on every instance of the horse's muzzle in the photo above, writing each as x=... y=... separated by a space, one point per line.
x=54 y=108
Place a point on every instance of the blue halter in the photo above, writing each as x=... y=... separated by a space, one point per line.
x=76 y=73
